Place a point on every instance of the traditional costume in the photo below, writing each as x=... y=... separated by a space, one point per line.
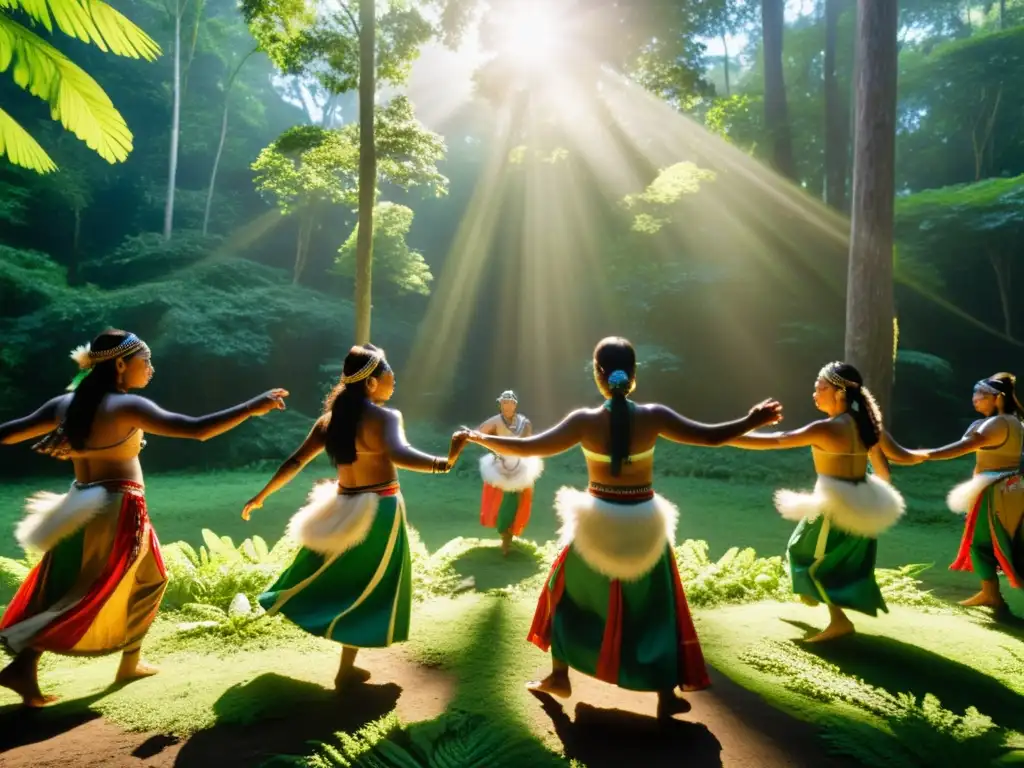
x=993 y=501
x=351 y=581
x=613 y=606
x=99 y=584
x=508 y=481
x=832 y=552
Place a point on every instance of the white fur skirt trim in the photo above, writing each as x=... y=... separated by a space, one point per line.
x=509 y=473
x=963 y=497
x=867 y=508
x=620 y=541
x=52 y=517
x=331 y=523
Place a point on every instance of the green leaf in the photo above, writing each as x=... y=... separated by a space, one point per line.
x=20 y=148
x=90 y=21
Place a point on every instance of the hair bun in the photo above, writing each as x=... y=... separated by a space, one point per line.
x=618 y=380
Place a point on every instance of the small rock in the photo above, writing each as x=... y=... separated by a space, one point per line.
x=239 y=606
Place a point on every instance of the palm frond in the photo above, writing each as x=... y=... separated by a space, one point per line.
x=20 y=148
x=91 y=21
x=75 y=99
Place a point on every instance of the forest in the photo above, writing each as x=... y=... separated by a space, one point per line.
x=210 y=202
x=746 y=189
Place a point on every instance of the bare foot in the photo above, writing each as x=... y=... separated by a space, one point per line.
x=134 y=670
x=984 y=599
x=806 y=600
x=671 y=703
x=25 y=687
x=832 y=631
x=554 y=684
x=506 y=543
x=351 y=676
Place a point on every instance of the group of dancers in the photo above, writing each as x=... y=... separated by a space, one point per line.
x=613 y=605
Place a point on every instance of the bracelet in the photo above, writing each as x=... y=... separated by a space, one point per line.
x=439 y=467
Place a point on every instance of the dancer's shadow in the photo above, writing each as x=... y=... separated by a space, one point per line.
x=886 y=663
x=489 y=570
x=613 y=738
x=21 y=726
x=276 y=715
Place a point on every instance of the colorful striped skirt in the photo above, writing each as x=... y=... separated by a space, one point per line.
x=98 y=587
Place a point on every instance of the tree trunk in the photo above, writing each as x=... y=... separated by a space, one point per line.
x=367 y=169
x=725 y=48
x=776 y=111
x=172 y=165
x=1003 y=286
x=869 y=293
x=306 y=220
x=76 y=237
x=837 y=118
x=1002 y=14
x=220 y=144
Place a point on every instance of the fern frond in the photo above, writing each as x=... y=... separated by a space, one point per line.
x=91 y=21
x=75 y=99
x=20 y=148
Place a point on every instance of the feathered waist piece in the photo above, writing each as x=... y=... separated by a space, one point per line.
x=334 y=520
x=619 y=539
x=510 y=474
x=866 y=507
x=52 y=517
x=621 y=494
x=964 y=496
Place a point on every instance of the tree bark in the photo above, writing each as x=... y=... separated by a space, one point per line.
x=869 y=296
x=220 y=144
x=367 y=169
x=725 y=48
x=776 y=111
x=1002 y=14
x=76 y=237
x=172 y=164
x=837 y=118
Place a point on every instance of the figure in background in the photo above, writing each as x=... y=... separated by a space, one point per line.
x=833 y=550
x=993 y=499
x=613 y=606
x=99 y=584
x=351 y=580
x=508 y=480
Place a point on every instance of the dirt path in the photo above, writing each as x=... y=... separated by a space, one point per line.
x=605 y=727
x=601 y=726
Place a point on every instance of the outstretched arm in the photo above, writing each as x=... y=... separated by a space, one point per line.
x=812 y=434
x=896 y=453
x=309 y=450
x=405 y=456
x=965 y=445
x=151 y=418
x=679 y=429
x=560 y=438
x=36 y=424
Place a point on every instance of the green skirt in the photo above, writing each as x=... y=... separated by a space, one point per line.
x=835 y=567
x=361 y=597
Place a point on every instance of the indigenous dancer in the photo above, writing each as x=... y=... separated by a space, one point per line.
x=351 y=580
x=613 y=606
x=508 y=482
x=993 y=499
x=833 y=549
x=99 y=583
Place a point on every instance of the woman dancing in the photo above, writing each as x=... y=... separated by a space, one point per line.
x=351 y=580
x=832 y=552
x=99 y=583
x=993 y=499
x=613 y=606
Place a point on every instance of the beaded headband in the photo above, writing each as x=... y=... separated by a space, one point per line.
x=87 y=358
x=366 y=371
x=508 y=396
x=829 y=374
x=987 y=388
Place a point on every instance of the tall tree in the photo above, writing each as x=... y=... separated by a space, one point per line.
x=870 y=312
x=367 y=168
x=837 y=117
x=776 y=111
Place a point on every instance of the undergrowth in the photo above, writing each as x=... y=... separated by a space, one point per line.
x=915 y=731
x=455 y=740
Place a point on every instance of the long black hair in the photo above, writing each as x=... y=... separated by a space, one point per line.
x=1006 y=384
x=101 y=381
x=615 y=368
x=860 y=403
x=347 y=402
